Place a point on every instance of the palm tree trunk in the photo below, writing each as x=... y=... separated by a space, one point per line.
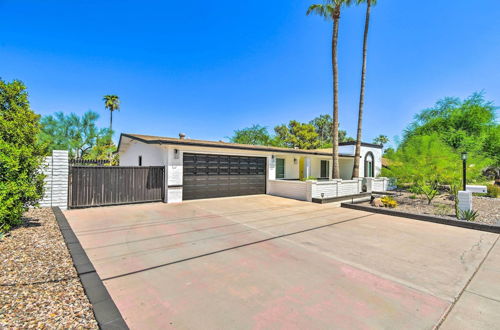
x=335 y=69
x=111 y=122
x=110 y=155
x=357 y=153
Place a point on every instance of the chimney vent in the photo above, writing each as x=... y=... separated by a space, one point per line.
x=182 y=136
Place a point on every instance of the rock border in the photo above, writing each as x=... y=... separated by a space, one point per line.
x=423 y=217
x=106 y=313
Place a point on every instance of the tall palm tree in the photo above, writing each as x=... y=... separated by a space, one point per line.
x=111 y=103
x=357 y=152
x=330 y=10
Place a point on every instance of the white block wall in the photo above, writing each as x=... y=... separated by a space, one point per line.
x=349 y=187
x=464 y=200
x=56 y=168
x=306 y=191
x=377 y=184
x=328 y=189
x=288 y=189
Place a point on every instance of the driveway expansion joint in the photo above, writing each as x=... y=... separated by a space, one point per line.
x=482 y=296
x=445 y=316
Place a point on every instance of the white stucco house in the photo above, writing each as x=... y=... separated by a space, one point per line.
x=198 y=169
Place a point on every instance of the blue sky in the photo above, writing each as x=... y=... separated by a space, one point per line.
x=207 y=68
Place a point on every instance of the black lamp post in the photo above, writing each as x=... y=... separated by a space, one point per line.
x=464 y=162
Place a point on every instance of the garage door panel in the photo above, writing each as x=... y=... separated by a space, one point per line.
x=207 y=176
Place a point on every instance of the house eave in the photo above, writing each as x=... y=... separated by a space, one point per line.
x=227 y=146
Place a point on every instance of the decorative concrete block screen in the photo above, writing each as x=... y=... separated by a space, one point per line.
x=56 y=169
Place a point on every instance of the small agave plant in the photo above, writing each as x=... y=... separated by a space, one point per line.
x=468 y=215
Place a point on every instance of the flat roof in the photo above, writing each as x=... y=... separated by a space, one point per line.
x=149 y=139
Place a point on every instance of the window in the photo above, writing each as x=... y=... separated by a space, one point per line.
x=369 y=165
x=140 y=160
x=325 y=168
x=280 y=168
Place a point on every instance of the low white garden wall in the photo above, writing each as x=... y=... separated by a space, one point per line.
x=377 y=184
x=56 y=168
x=288 y=189
x=308 y=190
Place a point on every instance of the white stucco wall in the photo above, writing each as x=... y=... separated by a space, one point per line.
x=347 y=150
x=346 y=165
x=316 y=166
x=377 y=154
x=291 y=167
x=152 y=155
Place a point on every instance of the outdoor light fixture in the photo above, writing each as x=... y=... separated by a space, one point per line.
x=464 y=170
x=322 y=195
x=295 y=160
x=272 y=157
x=176 y=153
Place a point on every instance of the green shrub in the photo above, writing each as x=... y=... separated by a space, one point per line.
x=429 y=191
x=412 y=197
x=309 y=178
x=21 y=182
x=493 y=191
x=388 y=201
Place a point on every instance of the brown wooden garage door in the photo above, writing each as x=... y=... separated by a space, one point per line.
x=208 y=176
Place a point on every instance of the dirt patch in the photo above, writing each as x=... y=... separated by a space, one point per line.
x=39 y=284
x=443 y=206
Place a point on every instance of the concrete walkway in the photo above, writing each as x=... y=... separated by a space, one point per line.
x=266 y=262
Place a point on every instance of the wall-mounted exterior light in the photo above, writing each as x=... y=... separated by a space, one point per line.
x=176 y=153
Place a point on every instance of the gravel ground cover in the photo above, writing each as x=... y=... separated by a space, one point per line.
x=443 y=206
x=39 y=285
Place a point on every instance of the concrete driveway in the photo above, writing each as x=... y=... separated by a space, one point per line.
x=265 y=262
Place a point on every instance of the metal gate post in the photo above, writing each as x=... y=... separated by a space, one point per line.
x=165 y=185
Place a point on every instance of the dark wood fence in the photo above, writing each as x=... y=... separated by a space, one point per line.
x=106 y=185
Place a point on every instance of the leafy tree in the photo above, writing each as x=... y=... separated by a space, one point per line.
x=323 y=125
x=427 y=162
x=21 y=182
x=256 y=135
x=469 y=125
x=71 y=132
x=357 y=150
x=330 y=10
x=297 y=135
x=381 y=139
x=111 y=103
x=103 y=148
